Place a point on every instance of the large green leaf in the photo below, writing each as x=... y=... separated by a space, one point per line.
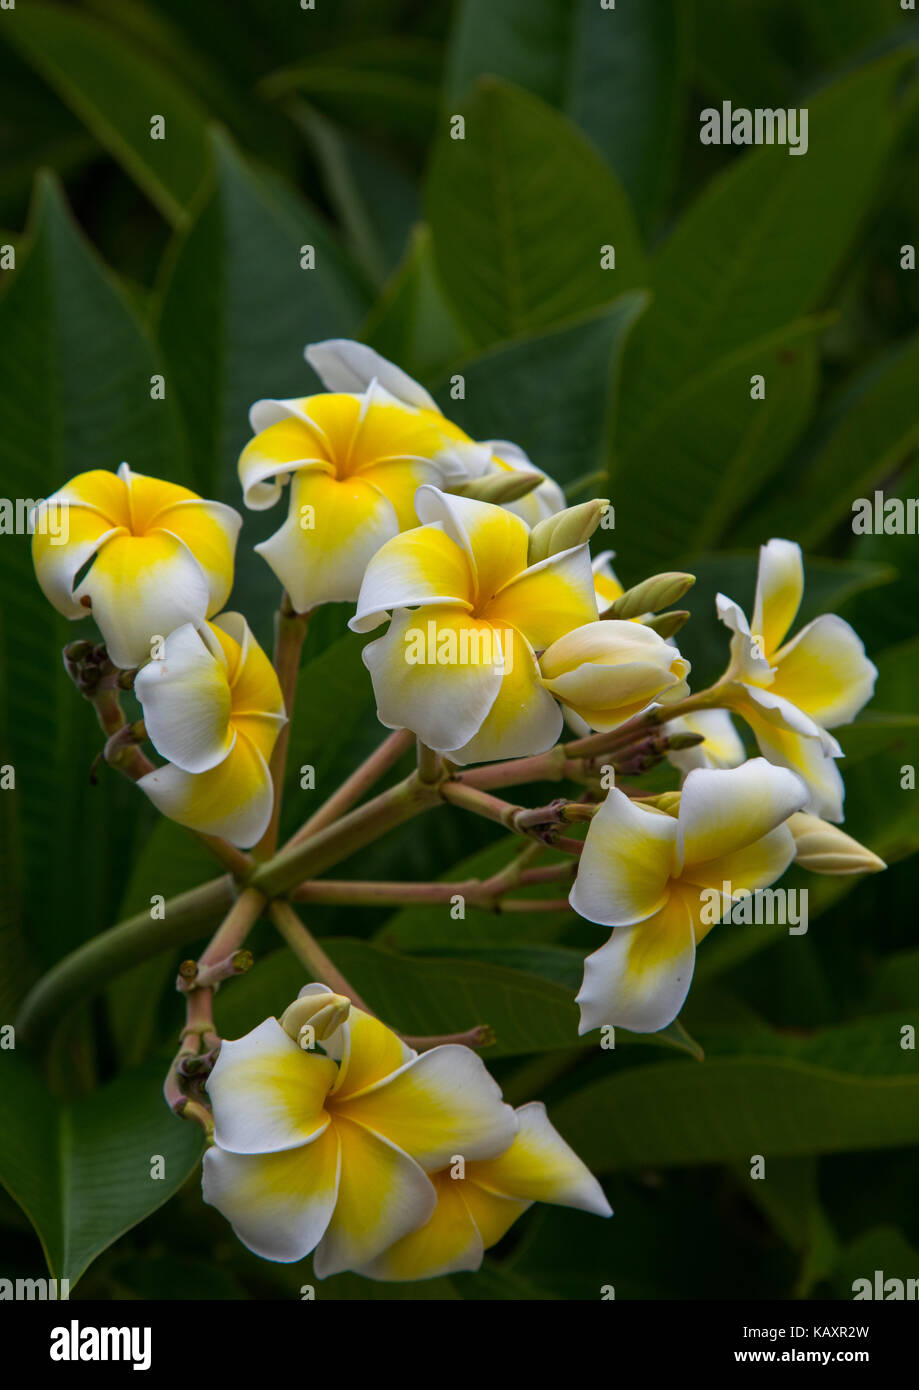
x=617 y=72
x=77 y=369
x=554 y=395
x=762 y=241
x=707 y=448
x=846 y=1088
x=83 y=1172
x=116 y=91
x=520 y=211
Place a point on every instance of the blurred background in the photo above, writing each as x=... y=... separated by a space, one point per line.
x=127 y=256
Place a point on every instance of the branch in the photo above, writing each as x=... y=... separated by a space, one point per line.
x=354 y=787
x=289 y=635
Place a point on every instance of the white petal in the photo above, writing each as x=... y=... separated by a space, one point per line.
x=639 y=980
x=344 y=365
x=625 y=867
x=267 y=1093
x=186 y=701
x=779 y=590
x=723 y=810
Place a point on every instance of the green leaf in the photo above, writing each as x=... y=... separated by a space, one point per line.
x=846 y=1088
x=712 y=444
x=554 y=395
x=116 y=92
x=77 y=368
x=866 y=435
x=618 y=73
x=761 y=242
x=520 y=210
x=789 y=1198
x=82 y=1172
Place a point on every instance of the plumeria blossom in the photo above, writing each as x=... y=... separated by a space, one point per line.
x=723 y=746
x=330 y=1153
x=158 y=555
x=478 y=1202
x=792 y=692
x=354 y=457
x=644 y=870
x=213 y=707
x=458 y=663
x=606 y=672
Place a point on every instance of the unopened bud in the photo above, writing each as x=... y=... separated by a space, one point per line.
x=667 y=624
x=668 y=802
x=322 y=1013
x=677 y=741
x=500 y=488
x=825 y=849
x=651 y=595
x=574 y=526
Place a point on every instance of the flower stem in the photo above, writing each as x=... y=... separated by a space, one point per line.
x=354 y=787
x=308 y=951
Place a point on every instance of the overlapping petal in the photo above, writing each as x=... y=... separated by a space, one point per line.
x=186 y=698
x=423 y=566
x=640 y=978
x=725 y=810
x=626 y=864
x=267 y=1093
x=824 y=672
x=524 y=718
x=608 y=671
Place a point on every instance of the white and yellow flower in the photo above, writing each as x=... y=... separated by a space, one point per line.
x=458 y=663
x=606 y=672
x=791 y=692
x=644 y=871
x=478 y=1202
x=331 y=1153
x=213 y=707
x=355 y=457
x=158 y=555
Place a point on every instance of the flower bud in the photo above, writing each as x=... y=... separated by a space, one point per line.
x=609 y=671
x=320 y=1012
x=499 y=488
x=566 y=529
x=667 y=624
x=651 y=595
x=825 y=849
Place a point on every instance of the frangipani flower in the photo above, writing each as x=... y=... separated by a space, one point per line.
x=328 y=1153
x=609 y=670
x=355 y=458
x=461 y=670
x=791 y=692
x=825 y=849
x=213 y=707
x=643 y=871
x=723 y=746
x=161 y=556
x=477 y=1205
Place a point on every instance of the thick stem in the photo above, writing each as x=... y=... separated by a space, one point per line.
x=354 y=787
x=289 y=635
x=86 y=970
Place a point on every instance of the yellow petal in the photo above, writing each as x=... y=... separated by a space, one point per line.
x=422 y=566
x=754 y=866
x=549 y=599
x=447 y=1243
x=494 y=540
x=253 y=681
x=233 y=799
x=438 y=1105
x=437 y=673
x=333 y=529
x=209 y=529
x=640 y=978
x=367 y=1052
x=626 y=864
x=540 y=1167
x=382 y=1195
x=186 y=702
x=804 y=754
x=724 y=810
x=56 y=565
x=824 y=671
x=267 y=1093
x=279 y=1204
x=290 y=442
x=524 y=718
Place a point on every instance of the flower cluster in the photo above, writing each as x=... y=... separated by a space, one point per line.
x=498 y=629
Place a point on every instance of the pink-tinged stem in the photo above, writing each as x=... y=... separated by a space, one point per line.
x=354 y=787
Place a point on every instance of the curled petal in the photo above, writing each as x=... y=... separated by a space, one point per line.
x=748 y=660
x=367 y=1052
x=279 y=1204
x=640 y=978
x=267 y=1093
x=626 y=864
x=779 y=590
x=56 y=565
x=540 y=1167
x=209 y=529
x=343 y=365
